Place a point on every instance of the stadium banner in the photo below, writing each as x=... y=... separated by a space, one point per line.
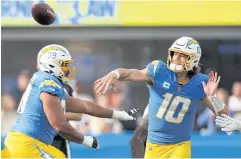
x=126 y=13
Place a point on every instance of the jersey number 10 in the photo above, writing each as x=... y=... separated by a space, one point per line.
x=169 y=105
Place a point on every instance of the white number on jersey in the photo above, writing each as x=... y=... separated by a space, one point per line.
x=169 y=106
x=24 y=99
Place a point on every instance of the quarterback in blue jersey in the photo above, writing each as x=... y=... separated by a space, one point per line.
x=175 y=89
x=41 y=110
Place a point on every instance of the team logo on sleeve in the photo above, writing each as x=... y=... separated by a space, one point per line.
x=50 y=83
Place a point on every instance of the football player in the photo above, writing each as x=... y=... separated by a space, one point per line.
x=41 y=110
x=175 y=89
x=138 y=140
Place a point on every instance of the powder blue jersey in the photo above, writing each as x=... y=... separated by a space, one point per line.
x=172 y=107
x=32 y=120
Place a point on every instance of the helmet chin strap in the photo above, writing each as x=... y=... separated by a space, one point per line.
x=176 y=67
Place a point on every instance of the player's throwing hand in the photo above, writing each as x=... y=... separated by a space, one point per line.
x=103 y=84
x=211 y=86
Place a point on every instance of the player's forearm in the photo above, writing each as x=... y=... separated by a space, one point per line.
x=137 y=148
x=86 y=107
x=139 y=138
x=216 y=105
x=98 y=111
x=219 y=106
x=131 y=75
x=68 y=132
x=73 y=116
x=224 y=111
x=80 y=106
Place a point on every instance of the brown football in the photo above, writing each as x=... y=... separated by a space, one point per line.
x=43 y=14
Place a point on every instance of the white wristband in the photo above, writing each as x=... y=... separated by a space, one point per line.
x=122 y=115
x=116 y=73
x=117 y=114
x=217 y=103
x=88 y=141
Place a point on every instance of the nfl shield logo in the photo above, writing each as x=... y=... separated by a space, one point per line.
x=179 y=88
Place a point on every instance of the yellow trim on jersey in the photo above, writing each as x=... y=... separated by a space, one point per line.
x=155 y=63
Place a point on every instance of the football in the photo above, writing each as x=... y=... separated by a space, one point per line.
x=43 y=14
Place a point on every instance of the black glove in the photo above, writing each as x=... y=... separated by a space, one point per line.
x=133 y=111
x=95 y=143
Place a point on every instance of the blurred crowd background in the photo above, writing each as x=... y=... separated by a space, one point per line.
x=93 y=59
x=108 y=34
x=98 y=53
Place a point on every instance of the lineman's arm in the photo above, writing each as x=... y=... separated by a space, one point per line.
x=139 y=138
x=73 y=116
x=55 y=115
x=81 y=106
